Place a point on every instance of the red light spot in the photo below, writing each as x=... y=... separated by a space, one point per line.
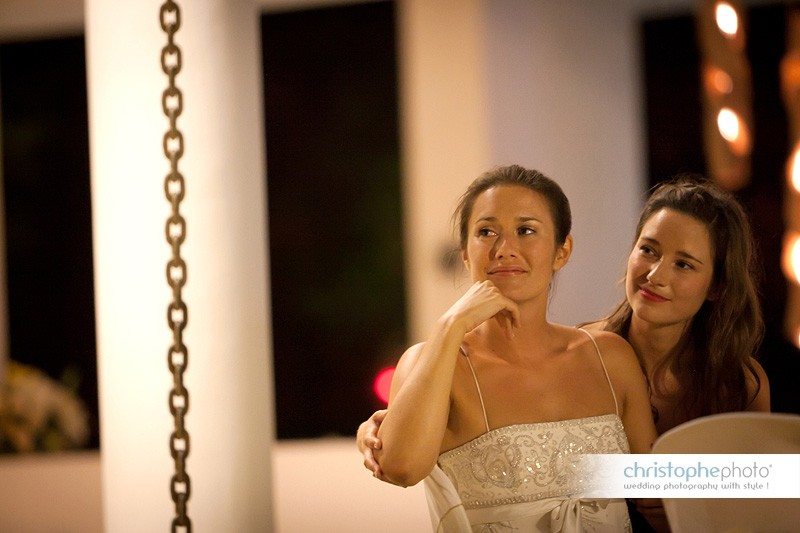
x=382 y=383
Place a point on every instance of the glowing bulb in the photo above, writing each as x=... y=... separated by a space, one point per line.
x=791 y=257
x=727 y=19
x=794 y=169
x=795 y=255
x=382 y=384
x=718 y=80
x=728 y=124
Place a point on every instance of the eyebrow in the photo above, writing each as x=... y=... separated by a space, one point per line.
x=519 y=219
x=679 y=252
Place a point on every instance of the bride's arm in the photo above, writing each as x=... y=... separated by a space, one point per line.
x=419 y=406
x=419 y=401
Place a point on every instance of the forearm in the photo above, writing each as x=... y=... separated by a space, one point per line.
x=416 y=421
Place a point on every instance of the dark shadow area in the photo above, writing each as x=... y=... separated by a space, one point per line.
x=335 y=221
x=45 y=153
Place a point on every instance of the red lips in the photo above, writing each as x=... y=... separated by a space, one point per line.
x=652 y=296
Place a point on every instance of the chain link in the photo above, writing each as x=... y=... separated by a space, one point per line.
x=177 y=314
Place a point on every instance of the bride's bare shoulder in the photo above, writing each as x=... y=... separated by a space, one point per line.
x=594 y=327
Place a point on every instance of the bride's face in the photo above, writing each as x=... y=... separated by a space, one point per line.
x=511 y=241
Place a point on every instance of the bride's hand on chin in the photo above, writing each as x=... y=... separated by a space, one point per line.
x=480 y=303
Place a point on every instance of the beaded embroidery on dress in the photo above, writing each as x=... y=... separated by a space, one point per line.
x=524 y=477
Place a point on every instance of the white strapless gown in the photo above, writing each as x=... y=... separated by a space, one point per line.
x=523 y=478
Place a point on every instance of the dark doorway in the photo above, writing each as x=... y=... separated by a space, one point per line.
x=335 y=220
x=45 y=153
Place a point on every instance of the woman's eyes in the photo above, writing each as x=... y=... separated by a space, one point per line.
x=489 y=232
x=650 y=251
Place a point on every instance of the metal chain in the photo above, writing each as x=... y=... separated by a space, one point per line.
x=177 y=314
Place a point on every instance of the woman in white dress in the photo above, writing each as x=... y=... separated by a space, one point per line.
x=493 y=407
x=691 y=313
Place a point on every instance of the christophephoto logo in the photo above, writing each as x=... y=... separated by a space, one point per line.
x=692 y=475
x=699 y=475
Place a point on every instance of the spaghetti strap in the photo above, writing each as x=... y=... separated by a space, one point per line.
x=480 y=396
x=605 y=370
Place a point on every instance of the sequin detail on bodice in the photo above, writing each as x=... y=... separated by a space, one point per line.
x=527 y=462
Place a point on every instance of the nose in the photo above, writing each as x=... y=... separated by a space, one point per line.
x=505 y=247
x=658 y=273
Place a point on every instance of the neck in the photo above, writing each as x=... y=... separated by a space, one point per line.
x=653 y=342
x=532 y=338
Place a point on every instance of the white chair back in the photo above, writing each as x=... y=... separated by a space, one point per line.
x=733 y=433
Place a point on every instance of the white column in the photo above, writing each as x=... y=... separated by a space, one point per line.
x=230 y=419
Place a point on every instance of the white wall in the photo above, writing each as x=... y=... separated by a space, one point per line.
x=553 y=85
x=564 y=98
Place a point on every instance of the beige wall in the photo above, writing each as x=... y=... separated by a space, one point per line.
x=41 y=493
x=444 y=137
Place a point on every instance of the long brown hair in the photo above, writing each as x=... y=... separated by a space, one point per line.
x=713 y=359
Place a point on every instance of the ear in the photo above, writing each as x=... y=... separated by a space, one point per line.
x=562 y=254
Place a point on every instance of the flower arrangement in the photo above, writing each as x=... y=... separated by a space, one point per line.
x=37 y=413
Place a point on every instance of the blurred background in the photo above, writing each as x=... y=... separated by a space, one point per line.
x=376 y=117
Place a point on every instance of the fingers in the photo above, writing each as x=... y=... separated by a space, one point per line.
x=378 y=416
x=508 y=307
x=373 y=442
x=367 y=434
x=371 y=428
x=506 y=322
x=370 y=463
x=482 y=302
x=368 y=441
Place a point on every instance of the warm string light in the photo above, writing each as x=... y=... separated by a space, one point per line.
x=790 y=256
x=718 y=81
x=734 y=130
x=790 y=261
x=727 y=19
x=729 y=124
x=726 y=89
x=794 y=169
